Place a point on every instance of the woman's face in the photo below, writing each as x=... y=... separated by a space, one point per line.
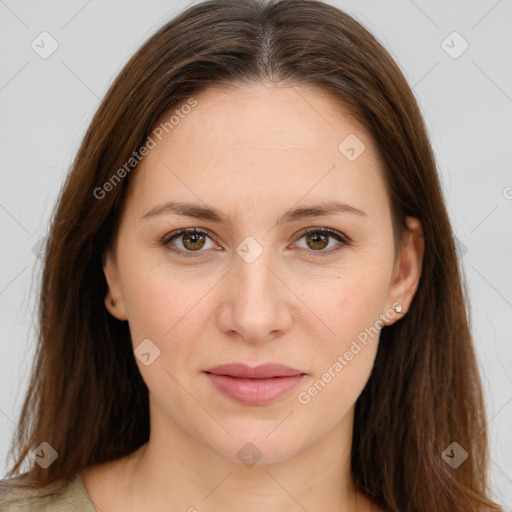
x=254 y=288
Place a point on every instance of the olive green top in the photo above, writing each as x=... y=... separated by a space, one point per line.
x=61 y=496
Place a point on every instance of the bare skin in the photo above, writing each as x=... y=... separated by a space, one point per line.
x=253 y=152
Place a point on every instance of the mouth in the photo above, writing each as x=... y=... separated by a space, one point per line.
x=257 y=385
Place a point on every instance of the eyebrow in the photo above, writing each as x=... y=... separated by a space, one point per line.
x=206 y=213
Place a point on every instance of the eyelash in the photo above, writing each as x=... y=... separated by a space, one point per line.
x=166 y=241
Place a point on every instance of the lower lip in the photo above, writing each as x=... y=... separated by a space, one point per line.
x=254 y=391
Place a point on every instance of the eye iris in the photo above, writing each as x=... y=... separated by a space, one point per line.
x=317 y=238
x=193 y=238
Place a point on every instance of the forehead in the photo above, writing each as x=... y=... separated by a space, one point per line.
x=281 y=138
x=266 y=116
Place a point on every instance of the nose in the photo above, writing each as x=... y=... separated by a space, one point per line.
x=255 y=305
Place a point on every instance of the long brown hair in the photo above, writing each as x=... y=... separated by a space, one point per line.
x=86 y=397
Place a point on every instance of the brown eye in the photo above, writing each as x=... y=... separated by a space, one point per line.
x=317 y=240
x=190 y=240
x=193 y=241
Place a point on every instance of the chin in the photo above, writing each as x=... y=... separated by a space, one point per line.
x=250 y=446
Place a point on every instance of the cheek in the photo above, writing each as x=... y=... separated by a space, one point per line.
x=351 y=310
x=352 y=300
x=160 y=304
x=333 y=392
x=168 y=314
x=344 y=358
x=172 y=316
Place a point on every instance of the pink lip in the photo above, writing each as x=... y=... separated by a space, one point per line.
x=257 y=385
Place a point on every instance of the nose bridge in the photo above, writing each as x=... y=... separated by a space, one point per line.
x=253 y=305
x=251 y=270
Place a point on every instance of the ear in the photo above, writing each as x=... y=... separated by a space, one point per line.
x=114 y=293
x=407 y=270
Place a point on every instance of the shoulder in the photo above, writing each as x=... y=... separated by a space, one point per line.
x=21 y=494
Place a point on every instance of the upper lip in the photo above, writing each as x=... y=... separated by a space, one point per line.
x=262 y=371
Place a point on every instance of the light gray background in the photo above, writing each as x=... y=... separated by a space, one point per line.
x=46 y=105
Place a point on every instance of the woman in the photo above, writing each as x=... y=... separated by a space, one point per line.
x=251 y=296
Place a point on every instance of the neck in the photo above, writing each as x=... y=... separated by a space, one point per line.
x=175 y=471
